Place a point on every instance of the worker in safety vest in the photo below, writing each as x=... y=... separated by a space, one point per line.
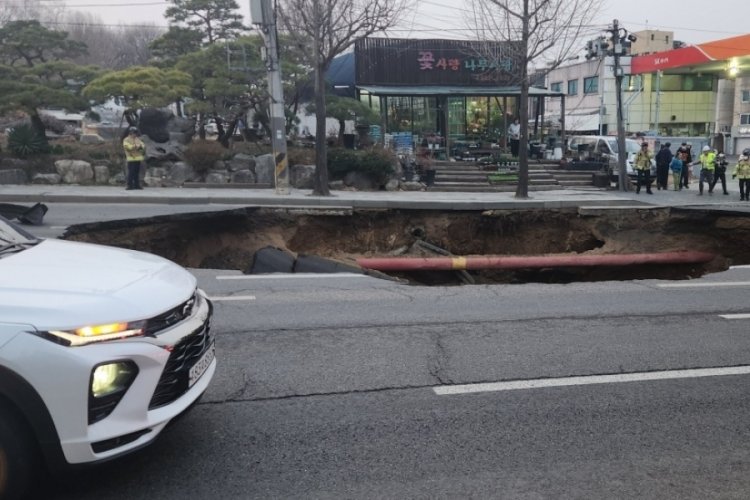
x=643 y=168
x=135 y=152
x=707 y=160
x=742 y=171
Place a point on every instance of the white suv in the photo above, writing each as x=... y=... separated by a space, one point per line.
x=100 y=348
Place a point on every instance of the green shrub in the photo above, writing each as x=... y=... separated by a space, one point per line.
x=377 y=163
x=341 y=161
x=202 y=155
x=23 y=141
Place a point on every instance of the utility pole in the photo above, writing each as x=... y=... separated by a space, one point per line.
x=262 y=14
x=620 y=38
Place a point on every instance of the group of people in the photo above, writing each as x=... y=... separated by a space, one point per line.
x=713 y=168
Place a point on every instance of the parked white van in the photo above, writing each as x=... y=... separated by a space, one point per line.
x=603 y=148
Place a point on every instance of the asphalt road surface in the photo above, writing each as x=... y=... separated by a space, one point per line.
x=345 y=386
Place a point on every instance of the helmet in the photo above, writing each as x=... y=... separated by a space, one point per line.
x=746 y=152
x=706 y=148
x=720 y=155
x=133 y=130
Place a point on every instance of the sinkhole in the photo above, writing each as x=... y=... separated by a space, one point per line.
x=233 y=239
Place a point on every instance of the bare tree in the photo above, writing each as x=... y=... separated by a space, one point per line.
x=110 y=46
x=323 y=29
x=46 y=12
x=548 y=31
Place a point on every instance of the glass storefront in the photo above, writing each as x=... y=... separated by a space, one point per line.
x=469 y=118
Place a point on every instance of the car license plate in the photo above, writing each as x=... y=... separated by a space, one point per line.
x=200 y=367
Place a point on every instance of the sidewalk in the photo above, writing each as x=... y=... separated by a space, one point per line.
x=376 y=199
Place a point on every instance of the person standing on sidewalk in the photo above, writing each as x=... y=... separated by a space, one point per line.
x=706 y=160
x=514 y=134
x=742 y=171
x=663 y=159
x=687 y=160
x=676 y=167
x=643 y=168
x=135 y=152
x=720 y=172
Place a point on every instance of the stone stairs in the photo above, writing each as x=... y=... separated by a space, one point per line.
x=471 y=177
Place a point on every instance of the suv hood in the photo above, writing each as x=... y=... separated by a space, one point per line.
x=62 y=285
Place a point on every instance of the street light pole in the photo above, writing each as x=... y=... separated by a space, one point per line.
x=264 y=15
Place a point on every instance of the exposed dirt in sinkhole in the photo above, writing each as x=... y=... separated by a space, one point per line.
x=229 y=239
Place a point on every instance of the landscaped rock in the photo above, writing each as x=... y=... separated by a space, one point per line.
x=9 y=163
x=392 y=185
x=181 y=173
x=157 y=176
x=243 y=177
x=412 y=186
x=241 y=161
x=91 y=139
x=302 y=176
x=117 y=180
x=75 y=171
x=13 y=176
x=359 y=181
x=160 y=152
x=265 y=170
x=48 y=179
x=217 y=178
x=101 y=174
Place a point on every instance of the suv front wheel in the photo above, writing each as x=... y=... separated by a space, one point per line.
x=16 y=456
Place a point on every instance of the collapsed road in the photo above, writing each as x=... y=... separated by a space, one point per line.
x=231 y=239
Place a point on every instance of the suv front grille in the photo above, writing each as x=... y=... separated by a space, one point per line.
x=174 y=380
x=172 y=317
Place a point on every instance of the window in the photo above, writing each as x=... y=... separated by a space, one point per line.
x=745 y=95
x=556 y=87
x=632 y=83
x=703 y=83
x=572 y=87
x=745 y=119
x=591 y=85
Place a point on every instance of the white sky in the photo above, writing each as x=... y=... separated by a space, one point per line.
x=691 y=21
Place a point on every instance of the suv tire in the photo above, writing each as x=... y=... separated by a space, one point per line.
x=17 y=456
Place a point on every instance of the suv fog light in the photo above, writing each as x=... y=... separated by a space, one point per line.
x=112 y=377
x=109 y=383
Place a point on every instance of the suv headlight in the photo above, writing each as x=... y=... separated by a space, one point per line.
x=98 y=333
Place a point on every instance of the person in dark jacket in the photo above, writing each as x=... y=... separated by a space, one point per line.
x=720 y=172
x=663 y=159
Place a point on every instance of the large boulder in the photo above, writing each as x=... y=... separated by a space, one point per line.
x=75 y=171
x=48 y=179
x=160 y=152
x=92 y=139
x=153 y=123
x=302 y=176
x=265 y=170
x=157 y=176
x=243 y=177
x=101 y=174
x=161 y=126
x=13 y=176
x=217 y=177
x=9 y=163
x=180 y=173
x=360 y=181
x=241 y=161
